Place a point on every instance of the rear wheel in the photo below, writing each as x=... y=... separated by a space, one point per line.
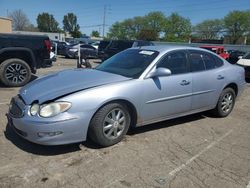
x=14 y=72
x=109 y=124
x=225 y=103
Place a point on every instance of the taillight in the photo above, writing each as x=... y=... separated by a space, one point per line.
x=48 y=45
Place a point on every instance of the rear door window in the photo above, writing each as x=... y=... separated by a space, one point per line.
x=208 y=61
x=196 y=61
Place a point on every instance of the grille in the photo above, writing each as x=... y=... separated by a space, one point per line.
x=16 y=110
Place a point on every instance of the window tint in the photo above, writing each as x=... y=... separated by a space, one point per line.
x=196 y=61
x=218 y=61
x=129 y=63
x=208 y=60
x=175 y=61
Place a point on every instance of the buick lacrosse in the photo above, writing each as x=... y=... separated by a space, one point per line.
x=136 y=87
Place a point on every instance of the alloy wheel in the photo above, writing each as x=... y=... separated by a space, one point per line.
x=114 y=123
x=227 y=102
x=16 y=73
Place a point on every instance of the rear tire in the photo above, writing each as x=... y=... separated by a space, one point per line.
x=14 y=72
x=109 y=124
x=225 y=103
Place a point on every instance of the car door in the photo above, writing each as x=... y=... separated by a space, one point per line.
x=170 y=95
x=207 y=78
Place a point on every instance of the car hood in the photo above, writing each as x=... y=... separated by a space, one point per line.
x=65 y=82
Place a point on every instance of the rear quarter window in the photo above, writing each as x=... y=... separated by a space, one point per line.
x=218 y=62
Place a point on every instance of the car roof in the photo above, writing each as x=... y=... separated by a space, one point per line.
x=207 y=46
x=165 y=48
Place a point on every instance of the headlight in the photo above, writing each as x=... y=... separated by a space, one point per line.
x=52 y=109
x=73 y=50
x=34 y=109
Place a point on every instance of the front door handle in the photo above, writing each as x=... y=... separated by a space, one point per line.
x=185 y=82
x=220 y=77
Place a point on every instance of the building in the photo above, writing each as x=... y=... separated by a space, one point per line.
x=52 y=36
x=5 y=25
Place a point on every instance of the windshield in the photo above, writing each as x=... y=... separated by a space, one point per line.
x=129 y=63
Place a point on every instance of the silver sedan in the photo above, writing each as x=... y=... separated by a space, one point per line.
x=136 y=87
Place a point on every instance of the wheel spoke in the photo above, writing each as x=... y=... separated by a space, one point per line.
x=9 y=75
x=115 y=132
x=120 y=126
x=108 y=120
x=23 y=71
x=121 y=119
x=113 y=115
x=21 y=78
x=18 y=67
x=107 y=127
x=118 y=115
x=10 y=69
x=110 y=132
x=14 y=79
x=224 y=107
x=223 y=103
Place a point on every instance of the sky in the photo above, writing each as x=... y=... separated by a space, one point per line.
x=90 y=12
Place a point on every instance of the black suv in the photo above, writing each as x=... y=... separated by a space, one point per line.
x=22 y=55
x=116 y=46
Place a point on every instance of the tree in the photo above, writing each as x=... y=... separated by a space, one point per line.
x=95 y=34
x=148 y=34
x=237 y=25
x=117 y=31
x=31 y=27
x=177 y=28
x=47 y=23
x=136 y=27
x=209 y=29
x=155 y=21
x=70 y=25
x=19 y=19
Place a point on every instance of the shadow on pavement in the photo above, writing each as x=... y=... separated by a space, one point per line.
x=168 y=123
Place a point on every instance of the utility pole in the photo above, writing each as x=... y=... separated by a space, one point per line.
x=7 y=13
x=104 y=21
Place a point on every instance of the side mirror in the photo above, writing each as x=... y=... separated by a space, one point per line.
x=159 y=72
x=240 y=57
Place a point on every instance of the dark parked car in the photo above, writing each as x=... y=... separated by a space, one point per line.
x=61 y=46
x=234 y=55
x=22 y=55
x=87 y=51
x=116 y=46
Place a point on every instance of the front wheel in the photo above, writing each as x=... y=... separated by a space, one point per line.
x=109 y=124
x=225 y=103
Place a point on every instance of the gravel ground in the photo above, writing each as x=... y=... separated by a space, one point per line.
x=193 y=151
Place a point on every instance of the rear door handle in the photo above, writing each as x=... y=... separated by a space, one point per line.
x=220 y=77
x=185 y=82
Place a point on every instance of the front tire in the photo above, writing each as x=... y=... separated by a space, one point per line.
x=109 y=124
x=14 y=72
x=225 y=103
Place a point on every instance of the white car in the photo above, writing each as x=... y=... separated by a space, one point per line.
x=244 y=61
